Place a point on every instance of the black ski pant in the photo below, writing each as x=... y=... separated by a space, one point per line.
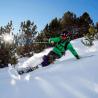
x=50 y=58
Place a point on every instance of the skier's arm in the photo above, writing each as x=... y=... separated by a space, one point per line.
x=72 y=50
x=54 y=40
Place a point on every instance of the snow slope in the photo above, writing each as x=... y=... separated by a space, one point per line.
x=67 y=78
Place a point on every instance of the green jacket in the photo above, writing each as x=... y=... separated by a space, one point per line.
x=60 y=46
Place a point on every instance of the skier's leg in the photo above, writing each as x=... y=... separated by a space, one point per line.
x=45 y=61
x=50 y=58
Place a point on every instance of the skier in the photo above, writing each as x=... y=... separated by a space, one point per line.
x=62 y=44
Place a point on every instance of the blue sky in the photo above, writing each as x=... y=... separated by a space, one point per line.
x=43 y=11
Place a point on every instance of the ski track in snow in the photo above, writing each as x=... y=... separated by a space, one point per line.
x=67 y=78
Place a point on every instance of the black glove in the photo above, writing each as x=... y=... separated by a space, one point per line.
x=77 y=57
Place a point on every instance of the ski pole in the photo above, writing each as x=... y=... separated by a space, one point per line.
x=40 y=42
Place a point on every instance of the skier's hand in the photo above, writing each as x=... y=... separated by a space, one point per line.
x=52 y=42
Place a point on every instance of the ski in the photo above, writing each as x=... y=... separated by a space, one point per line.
x=17 y=72
x=26 y=70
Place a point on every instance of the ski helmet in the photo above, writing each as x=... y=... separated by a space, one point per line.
x=64 y=34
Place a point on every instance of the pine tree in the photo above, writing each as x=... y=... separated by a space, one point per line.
x=68 y=20
x=27 y=34
x=7 y=45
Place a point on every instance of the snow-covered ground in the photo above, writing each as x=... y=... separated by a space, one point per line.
x=67 y=78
